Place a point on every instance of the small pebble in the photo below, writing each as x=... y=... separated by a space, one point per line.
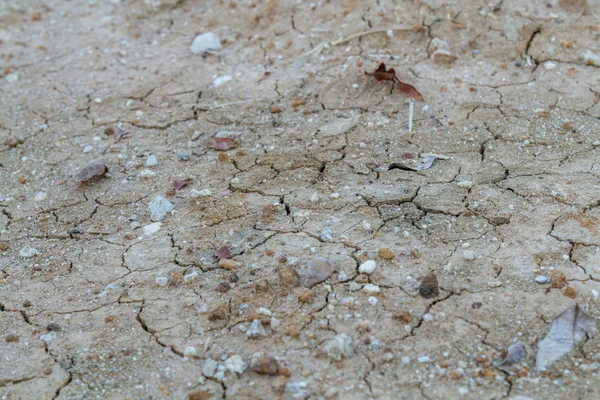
x=469 y=255
x=595 y=294
x=87 y=149
x=28 y=252
x=570 y=292
x=367 y=267
x=405 y=360
x=339 y=347
x=541 y=279
x=265 y=366
x=183 y=156
x=200 y=193
x=205 y=42
x=40 y=196
x=146 y=173
x=354 y=286
x=314 y=198
x=235 y=364
x=12 y=78
x=342 y=277
x=256 y=330
x=190 y=351
x=319 y=269
x=209 y=367
x=494 y=283
x=429 y=287
x=151 y=229
x=424 y=359
x=372 y=300
x=221 y=80
x=53 y=327
x=386 y=253
x=11 y=338
x=371 y=289
x=151 y=161
x=161 y=281
x=159 y=207
x=558 y=278
x=465 y=184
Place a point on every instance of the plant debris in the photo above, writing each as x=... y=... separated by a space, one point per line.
x=383 y=74
x=516 y=352
x=223 y=252
x=568 y=329
x=221 y=144
x=180 y=183
x=410 y=164
x=429 y=287
x=95 y=168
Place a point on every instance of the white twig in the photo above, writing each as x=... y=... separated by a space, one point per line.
x=411 y=113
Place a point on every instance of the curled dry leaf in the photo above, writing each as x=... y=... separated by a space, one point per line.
x=223 y=253
x=383 y=74
x=516 y=352
x=568 y=329
x=180 y=183
x=95 y=168
x=221 y=144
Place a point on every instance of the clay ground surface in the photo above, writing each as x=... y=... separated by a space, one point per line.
x=95 y=302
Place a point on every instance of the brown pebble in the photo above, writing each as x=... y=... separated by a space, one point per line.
x=109 y=131
x=36 y=16
x=386 y=253
x=26 y=303
x=362 y=278
x=12 y=142
x=285 y=372
x=200 y=395
x=567 y=126
x=11 y=338
x=558 y=278
x=429 y=287
x=298 y=101
x=454 y=375
x=223 y=157
x=415 y=254
x=175 y=279
x=275 y=109
x=22 y=180
x=293 y=331
x=570 y=292
x=488 y=373
x=305 y=297
x=403 y=316
x=223 y=287
x=444 y=364
x=47 y=371
x=228 y=264
x=288 y=275
x=219 y=313
x=53 y=326
x=262 y=285
x=265 y=366
x=3 y=246
x=523 y=372
x=109 y=318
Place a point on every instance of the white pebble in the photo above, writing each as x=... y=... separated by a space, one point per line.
x=40 y=196
x=151 y=161
x=469 y=255
x=221 y=80
x=405 y=360
x=465 y=184
x=314 y=198
x=541 y=279
x=549 y=65
x=205 y=42
x=159 y=207
x=12 y=78
x=161 y=281
x=48 y=337
x=236 y=364
x=146 y=173
x=87 y=149
x=28 y=252
x=371 y=289
x=595 y=294
x=256 y=329
x=264 y=311
x=151 y=229
x=334 y=195
x=342 y=277
x=494 y=283
x=367 y=267
x=209 y=367
x=191 y=277
x=190 y=351
x=424 y=359
x=200 y=193
x=373 y=300
x=428 y=317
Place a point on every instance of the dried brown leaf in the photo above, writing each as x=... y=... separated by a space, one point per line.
x=409 y=91
x=221 y=144
x=381 y=74
x=180 y=183
x=95 y=168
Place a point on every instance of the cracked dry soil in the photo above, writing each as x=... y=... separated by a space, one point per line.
x=93 y=305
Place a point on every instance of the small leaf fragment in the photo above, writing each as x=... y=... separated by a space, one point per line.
x=180 y=183
x=95 y=168
x=568 y=329
x=409 y=91
x=223 y=253
x=381 y=74
x=516 y=352
x=221 y=144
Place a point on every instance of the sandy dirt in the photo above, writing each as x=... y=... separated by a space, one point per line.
x=476 y=253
